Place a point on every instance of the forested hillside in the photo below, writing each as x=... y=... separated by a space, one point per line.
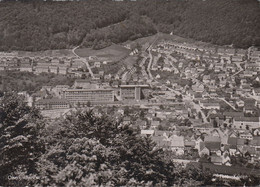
x=38 y=25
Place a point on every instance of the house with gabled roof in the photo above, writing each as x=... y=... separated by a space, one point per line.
x=255 y=142
x=226 y=159
x=256 y=132
x=203 y=150
x=256 y=91
x=215 y=133
x=177 y=144
x=161 y=142
x=248 y=150
x=237 y=58
x=246 y=135
x=147 y=132
x=165 y=134
x=212 y=143
x=215 y=159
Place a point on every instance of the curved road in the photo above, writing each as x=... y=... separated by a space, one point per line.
x=84 y=60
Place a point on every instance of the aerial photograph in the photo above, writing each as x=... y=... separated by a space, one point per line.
x=145 y=93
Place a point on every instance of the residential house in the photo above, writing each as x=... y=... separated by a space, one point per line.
x=155 y=124
x=246 y=122
x=240 y=103
x=209 y=104
x=255 y=67
x=231 y=115
x=26 y=68
x=215 y=159
x=246 y=135
x=147 y=133
x=141 y=123
x=216 y=119
x=212 y=143
x=53 y=69
x=203 y=150
x=62 y=69
x=42 y=68
x=256 y=91
x=254 y=56
x=177 y=144
x=161 y=142
x=250 y=106
x=226 y=159
x=218 y=67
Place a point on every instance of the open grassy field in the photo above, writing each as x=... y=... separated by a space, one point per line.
x=111 y=53
x=144 y=42
x=130 y=61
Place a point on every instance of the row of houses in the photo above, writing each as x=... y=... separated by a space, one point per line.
x=194 y=52
x=211 y=145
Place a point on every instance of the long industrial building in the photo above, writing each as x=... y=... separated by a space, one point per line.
x=94 y=96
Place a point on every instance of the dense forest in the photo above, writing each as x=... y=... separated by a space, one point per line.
x=27 y=81
x=38 y=25
x=84 y=149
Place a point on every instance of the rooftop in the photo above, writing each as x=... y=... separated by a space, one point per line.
x=247 y=119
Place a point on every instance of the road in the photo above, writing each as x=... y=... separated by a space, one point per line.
x=151 y=58
x=228 y=103
x=237 y=73
x=257 y=98
x=224 y=101
x=84 y=60
x=150 y=64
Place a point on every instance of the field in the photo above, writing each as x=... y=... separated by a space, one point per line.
x=111 y=53
x=144 y=42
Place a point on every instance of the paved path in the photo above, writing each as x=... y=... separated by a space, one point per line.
x=84 y=60
x=150 y=64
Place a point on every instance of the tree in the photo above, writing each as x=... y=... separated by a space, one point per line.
x=92 y=150
x=19 y=139
x=199 y=115
x=215 y=123
x=88 y=104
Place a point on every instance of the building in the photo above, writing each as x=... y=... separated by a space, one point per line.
x=53 y=69
x=42 y=68
x=209 y=104
x=62 y=69
x=52 y=104
x=133 y=92
x=177 y=144
x=26 y=68
x=246 y=122
x=84 y=96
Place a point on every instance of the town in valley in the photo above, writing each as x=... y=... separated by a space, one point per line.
x=198 y=101
x=130 y=93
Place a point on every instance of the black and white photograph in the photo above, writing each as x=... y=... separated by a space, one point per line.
x=125 y=93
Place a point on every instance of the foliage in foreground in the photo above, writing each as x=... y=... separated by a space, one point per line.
x=84 y=150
